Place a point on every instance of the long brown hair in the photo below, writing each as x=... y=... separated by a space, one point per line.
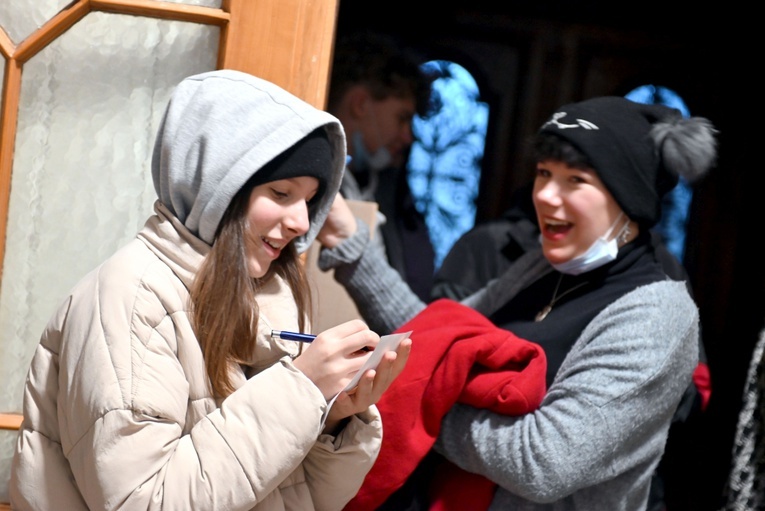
x=224 y=297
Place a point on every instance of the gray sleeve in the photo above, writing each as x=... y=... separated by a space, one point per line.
x=381 y=295
x=607 y=411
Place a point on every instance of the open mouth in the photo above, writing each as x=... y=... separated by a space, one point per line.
x=275 y=248
x=271 y=244
x=553 y=226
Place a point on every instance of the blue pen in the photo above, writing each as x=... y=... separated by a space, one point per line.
x=292 y=336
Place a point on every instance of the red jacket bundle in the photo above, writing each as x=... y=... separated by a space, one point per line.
x=457 y=355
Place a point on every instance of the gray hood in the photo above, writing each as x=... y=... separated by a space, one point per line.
x=219 y=129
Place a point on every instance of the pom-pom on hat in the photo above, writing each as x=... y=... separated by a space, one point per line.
x=638 y=151
x=309 y=156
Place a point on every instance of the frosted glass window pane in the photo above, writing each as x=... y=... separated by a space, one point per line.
x=91 y=103
x=19 y=18
x=7 y=443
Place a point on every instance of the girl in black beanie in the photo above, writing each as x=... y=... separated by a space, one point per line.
x=621 y=337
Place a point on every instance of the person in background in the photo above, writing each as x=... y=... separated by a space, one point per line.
x=375 y=91
x=157 y=384
x=620 y=336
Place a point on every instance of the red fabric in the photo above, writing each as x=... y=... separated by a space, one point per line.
x=703 y=381
x=457 y=356
x=453 y=489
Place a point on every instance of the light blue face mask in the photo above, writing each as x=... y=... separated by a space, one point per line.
x=363 y=161
x=601 y=252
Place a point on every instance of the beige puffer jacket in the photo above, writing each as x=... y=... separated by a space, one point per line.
x=118 y=415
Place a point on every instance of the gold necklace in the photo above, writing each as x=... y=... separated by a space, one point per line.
x=547 y=308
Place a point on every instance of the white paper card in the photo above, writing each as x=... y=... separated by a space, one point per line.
x=387 y=343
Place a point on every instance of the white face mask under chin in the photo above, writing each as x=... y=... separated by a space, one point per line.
x=362 y=160
x=601 y=252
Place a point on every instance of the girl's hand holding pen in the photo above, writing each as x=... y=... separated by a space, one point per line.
x=336 y=355
x=333 y=358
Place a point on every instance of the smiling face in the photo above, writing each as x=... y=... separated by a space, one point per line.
x=574 y=208
x=277 y=213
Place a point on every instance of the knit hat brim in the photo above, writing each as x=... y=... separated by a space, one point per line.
x=310 y=156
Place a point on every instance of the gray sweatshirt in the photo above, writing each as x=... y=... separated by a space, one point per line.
x=599 y=433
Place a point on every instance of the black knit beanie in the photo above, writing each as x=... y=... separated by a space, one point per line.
x=309 y=156
x=638 y=150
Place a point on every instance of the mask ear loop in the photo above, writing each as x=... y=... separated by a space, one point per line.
x=624 y=234
x=606 y=236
